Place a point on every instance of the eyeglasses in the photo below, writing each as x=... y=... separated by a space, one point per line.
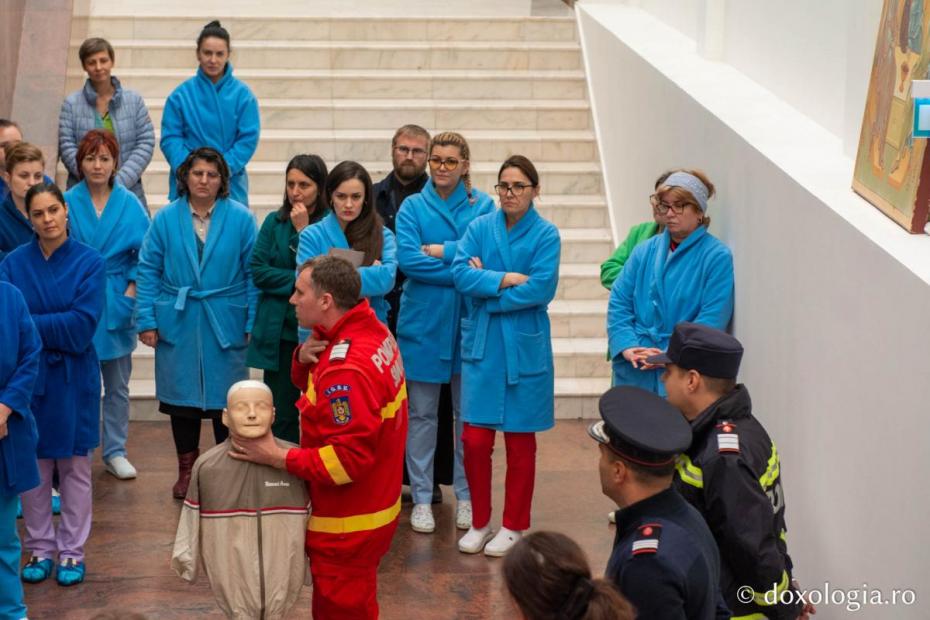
x=406 y=151
x=664 y=207
x=516 y=189
x=450 y=163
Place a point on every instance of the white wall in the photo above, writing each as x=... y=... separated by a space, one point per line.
x=832 y=298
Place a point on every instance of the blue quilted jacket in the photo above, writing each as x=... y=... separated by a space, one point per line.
x=131 y=123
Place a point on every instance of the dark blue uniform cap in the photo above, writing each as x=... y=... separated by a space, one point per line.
x=709 y=351
x=641 y=426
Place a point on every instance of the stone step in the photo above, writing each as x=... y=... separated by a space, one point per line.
x=574 y=398
x=580 y=282
x=357 y=83
x=316 y=28
x=389 y=114
x=265 y=177
x=298 y=54
x=578 y=318
x=563 y=211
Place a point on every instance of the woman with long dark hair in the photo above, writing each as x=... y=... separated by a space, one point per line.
x=274 y=261
x=355 y=225
x=62 y=281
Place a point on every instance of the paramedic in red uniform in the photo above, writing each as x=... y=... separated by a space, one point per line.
x=353 y=417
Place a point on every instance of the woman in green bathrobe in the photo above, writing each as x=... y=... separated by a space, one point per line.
x=274 y=335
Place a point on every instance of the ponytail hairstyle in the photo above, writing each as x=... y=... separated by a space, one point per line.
x=366 y=232
x=548 y=577
x=214 y=29
x=452 y=138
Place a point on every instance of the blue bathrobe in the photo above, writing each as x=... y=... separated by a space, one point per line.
x=20 y=352
x=222 y=115
x=202 y=309
x=508 y=379
x=65 y=295
x=15 y=230
x=377 y=280
x=658 y=289
x=118 y=235
x=428 y=324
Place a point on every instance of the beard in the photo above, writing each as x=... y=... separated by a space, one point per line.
x=408 y=171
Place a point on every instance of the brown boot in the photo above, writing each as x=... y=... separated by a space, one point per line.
x=185 y=465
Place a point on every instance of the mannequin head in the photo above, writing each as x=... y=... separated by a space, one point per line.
x=249 y=409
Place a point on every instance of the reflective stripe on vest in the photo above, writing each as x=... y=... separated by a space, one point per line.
x=775 y=595
x=390 y=410
x=750 y=617
x=689 y=472
x=355 y=523
x=771 y=471
x=334 y=466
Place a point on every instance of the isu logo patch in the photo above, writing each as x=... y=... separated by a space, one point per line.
x=342 y=415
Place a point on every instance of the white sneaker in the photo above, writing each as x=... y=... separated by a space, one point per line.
x=463 y=514
x=421 y=519
x=501 y=544
x=120 y=467
x=612 y=516
x=475 y=540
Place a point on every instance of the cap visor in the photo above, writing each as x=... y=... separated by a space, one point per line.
x=597 y=433
x=661 y=358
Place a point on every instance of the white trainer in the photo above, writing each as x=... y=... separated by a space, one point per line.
x=501 y=544
x=475 y=540
x=120 y=467
x=612 y=516
x=463 y=514
x=421 y=519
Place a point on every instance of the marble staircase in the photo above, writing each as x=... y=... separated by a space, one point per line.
x=339 y=87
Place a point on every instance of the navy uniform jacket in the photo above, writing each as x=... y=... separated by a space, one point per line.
x=732 y=475
x=665 y=560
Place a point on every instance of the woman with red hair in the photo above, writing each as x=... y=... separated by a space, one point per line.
x=110 y=218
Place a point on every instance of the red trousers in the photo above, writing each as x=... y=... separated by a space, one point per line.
x=342 y=592
x=478 y=444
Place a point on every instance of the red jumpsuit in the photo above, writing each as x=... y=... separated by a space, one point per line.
x=353 y=420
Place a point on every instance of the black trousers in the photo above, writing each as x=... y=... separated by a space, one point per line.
x=186 y=432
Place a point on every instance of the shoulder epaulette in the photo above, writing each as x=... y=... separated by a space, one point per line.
x=727 y=439
x=339 y=351
x=647 y=539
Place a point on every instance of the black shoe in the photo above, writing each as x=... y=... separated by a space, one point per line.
x=437 y=494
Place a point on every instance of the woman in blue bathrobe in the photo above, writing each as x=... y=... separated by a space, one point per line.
x=354 y=224
x=195 y=302
x=683 y=274
x=62 y=281
x=20 y=349
x=507 y=268
x=213 y=109
x=25 y=166
x=429 y=226
x=110 y=218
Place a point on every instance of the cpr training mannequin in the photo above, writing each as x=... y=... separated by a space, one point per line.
x=244 y=522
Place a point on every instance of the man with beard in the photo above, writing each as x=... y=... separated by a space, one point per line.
x=409 y=153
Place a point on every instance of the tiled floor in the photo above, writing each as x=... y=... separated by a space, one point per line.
x=423 y=577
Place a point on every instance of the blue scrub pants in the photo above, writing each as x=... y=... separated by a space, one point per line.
x=423 y=400
x=115 y=404
x=12 y=606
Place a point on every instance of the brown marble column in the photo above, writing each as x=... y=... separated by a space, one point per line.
x=40 y=70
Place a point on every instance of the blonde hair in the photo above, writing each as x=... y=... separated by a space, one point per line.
x=22 y=152
x=452 y=138
x=680 y=194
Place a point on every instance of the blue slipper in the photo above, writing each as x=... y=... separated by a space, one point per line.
x=37 y=571
x=70 y=573
x=56 y=504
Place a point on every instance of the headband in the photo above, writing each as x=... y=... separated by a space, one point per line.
x=688 y=181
